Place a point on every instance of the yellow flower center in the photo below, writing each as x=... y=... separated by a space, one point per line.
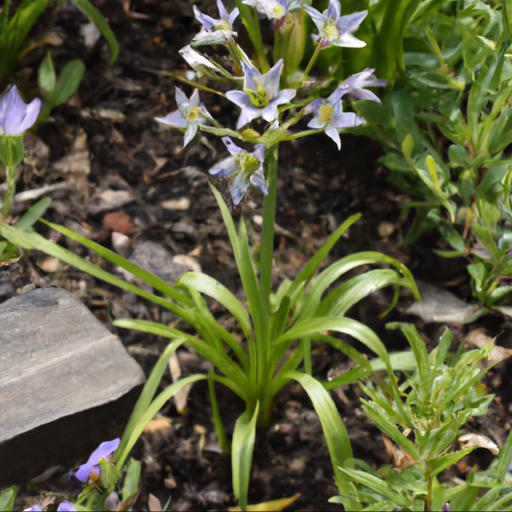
x=222 y=25
x=248 y=162
x=325 y=113
x=259 y=98
x=194 y=114
x=278 y=11
x=330 y=30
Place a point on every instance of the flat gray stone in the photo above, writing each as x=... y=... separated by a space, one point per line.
x=56 y=360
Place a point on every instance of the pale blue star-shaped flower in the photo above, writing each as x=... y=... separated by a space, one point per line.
x=335 y=29
x=190 y=114
x=329 y=116
x=245 y=167
x=356 y=86
x=274 y=9
x=215 y=31
x=261 y=96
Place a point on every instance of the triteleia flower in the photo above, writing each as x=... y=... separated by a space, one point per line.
x=329 y=116
x=355 y=85
x=66 y=506
x=261 y=95
x=245 y=167
x=274 y=9
x=446 y=507
x=16 y=116
x=34 y=508
x=215 y=31
x=90 y=471
x=190 y=114
x=335 y=29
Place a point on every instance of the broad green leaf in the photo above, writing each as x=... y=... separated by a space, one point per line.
x=335 y=434
x=87 y=8
x=151 y=411
x=242 y=448
x=68 y=82
x=46 y=76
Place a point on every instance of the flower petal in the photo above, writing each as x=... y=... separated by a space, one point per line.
x=206 y=21
x=174 y=119
x=248 y=111
x=334 y=9
x=190 y=133
x=239 y=188
x=333 y=134
x=31 y=115
x=224 y=168
x=258 y=180
x=317 y=17
x=105 y=449
x=66 y=506
x=231 y=146
x=348 y=41
x=271 y=79
x=351 y=22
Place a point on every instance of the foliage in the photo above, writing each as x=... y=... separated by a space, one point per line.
x=16 y=26
x=436 y=402
x=446 y=127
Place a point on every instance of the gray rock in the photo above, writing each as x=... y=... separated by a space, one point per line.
x=57 y=361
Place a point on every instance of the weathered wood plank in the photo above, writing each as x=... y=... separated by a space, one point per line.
x=56 y=360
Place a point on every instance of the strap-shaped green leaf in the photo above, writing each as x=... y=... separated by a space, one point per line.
x=151 y=411
x=209 y=286
x=314 y=263
x=335 y=434
x=242 y=448
x=7 y=498
x=148 y=277
x=102 y=25
x=148 y=391
x=238 y=383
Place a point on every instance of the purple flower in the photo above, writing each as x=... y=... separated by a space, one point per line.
x=66 y=506
x=335 y=29
x=261 y=95
x=215 y=31
x=355 y=85
x=33 y=508
x=329 y=116
x=446 y=507
x=90 y=471
x=274 y=9
x=245 y=167
x=16 y=116
x=190 y=114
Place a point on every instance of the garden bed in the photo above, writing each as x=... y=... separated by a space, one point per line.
x=125 y=183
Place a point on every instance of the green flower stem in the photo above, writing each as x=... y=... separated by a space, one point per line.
x=10 y=175
x=267 y=234
x=311 y=63
x=299 y=135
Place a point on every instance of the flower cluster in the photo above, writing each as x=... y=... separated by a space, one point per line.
x=265 y=93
